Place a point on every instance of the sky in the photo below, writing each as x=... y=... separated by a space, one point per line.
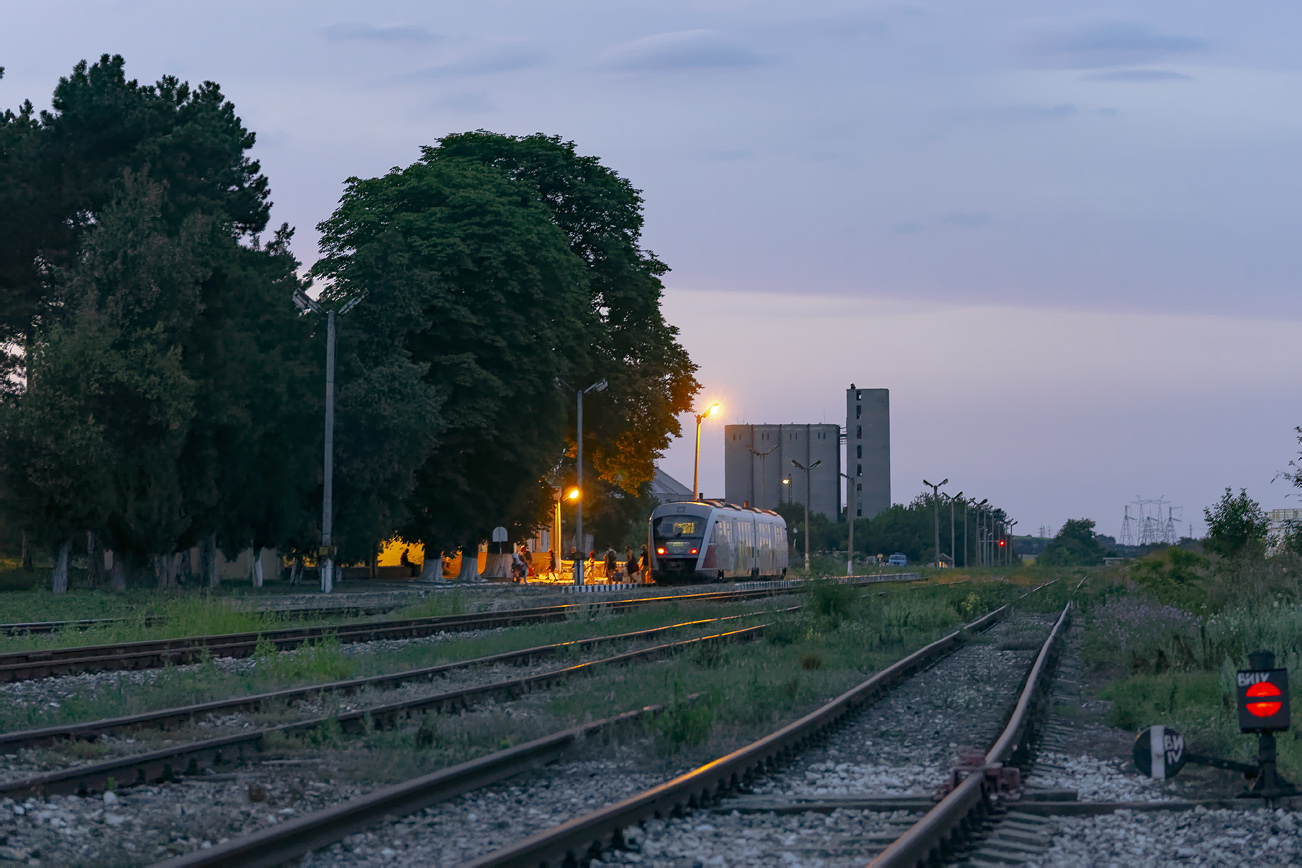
x=1063 y=235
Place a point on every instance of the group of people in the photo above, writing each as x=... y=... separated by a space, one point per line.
x=633 y=569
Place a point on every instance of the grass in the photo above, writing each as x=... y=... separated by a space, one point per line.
x=1169 y=633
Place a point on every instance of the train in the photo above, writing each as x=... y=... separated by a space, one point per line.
x=715 y=541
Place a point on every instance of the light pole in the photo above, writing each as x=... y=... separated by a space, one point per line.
x=808 y=489
x=1008 y=534
x=966 y=550
x=326 y=555
x=696 y=465
x=763 y=456
x=849 y=519
x=577 y=494
x=935 y=508
x=953 y=553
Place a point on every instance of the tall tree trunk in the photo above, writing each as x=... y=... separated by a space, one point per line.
x=432 y=569
x=60 y=585
x=257 y=568
x=26 y=554
x=208 y=551
x=119 y=572
x=163 y=571
x=94 y=561
x=469 y=565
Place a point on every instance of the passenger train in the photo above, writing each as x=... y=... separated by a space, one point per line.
x=713 y=541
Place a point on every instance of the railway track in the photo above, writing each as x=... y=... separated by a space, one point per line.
x=575 y=840
x=175 y=761
x=153 y=654
x=172 y=718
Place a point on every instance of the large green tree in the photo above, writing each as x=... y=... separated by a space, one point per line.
x=480 y=288
x=626 y=339
x=1236 y=525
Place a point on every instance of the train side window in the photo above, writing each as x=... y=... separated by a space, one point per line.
x=858 y=452
x=858 y=432
x=858 y=410
x=858 y=470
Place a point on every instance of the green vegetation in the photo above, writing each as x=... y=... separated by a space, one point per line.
x=1171 y=630
x=1074 y=546
x=158 y=391
x=1236 y=525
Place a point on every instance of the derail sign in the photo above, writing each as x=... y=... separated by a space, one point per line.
x=1263 y=700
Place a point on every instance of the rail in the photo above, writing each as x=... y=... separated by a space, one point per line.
x=933 y=837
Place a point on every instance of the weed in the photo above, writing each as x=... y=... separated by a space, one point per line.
x=811 y=661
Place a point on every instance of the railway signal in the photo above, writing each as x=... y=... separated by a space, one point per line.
x=1263 y=709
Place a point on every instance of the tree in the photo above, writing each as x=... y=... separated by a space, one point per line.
x=1236 y=526
x=627 y=341
x=1074 y=546
x=60 y=168
x=484 y=294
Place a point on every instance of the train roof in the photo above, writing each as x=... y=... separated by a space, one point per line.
x=721 y=504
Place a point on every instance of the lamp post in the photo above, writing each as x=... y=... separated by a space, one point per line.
x=577 y=494
x=849 y=519
x=696 y=465
x=326 y=555
x=808 y=489
x=762 y=456
x=953 y=553
x=967 y=551
x=1008 y=534
x=935 y=508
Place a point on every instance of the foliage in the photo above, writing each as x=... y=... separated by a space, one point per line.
x=1236 y=526
x=1074 y=546
x=1174 y=576
x=627 y=341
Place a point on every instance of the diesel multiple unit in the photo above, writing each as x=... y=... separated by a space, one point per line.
x=713 y=540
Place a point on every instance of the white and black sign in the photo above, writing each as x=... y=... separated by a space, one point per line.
x=1159 y=752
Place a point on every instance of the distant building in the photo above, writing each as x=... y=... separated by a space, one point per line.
x=666 y=489
x=868 y=450
x=757 y=458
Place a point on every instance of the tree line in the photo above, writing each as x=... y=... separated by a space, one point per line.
x=159 y=391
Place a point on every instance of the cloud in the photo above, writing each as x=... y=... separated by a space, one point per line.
x=501 y=57
x=968 y=220
x=682 y=50
x=1138 y=75
x=1023 y=113
x=467 y=103
x=355 y=31
x=907 y=228
x=1111 y=43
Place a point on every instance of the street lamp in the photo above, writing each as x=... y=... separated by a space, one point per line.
x=599 y=386
x=763 y=469
x=953 y=554
x=935 y=505
x=696 y=465
x=306 y=303
x=807 y=492
x=1008 y=534
x=849 y=519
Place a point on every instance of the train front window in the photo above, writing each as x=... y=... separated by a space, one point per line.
x=680 y=527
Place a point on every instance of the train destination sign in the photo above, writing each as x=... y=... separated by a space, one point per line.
x=1159 y=752
x=1263 y=700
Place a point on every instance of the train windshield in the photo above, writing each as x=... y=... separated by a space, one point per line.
x=680 y=527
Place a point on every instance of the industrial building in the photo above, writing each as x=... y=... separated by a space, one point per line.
x=757 y=459
x=758 y=468
x=868 y=450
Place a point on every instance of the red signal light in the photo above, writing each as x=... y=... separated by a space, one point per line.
x=1258 y=707
x=1001 y=543
x=693 y=551
x=660 y=551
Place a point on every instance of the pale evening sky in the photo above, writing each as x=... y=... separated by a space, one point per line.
x=1063 y=235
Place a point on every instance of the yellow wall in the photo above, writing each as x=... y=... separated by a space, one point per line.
x=391 y=554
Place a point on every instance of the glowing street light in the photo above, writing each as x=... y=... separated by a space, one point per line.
x=574 y=494
x=696 y=465
x=935 y=504
x=599 y=386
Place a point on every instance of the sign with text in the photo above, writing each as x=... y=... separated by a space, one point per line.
x=1263 y=700
x=1159 y=752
